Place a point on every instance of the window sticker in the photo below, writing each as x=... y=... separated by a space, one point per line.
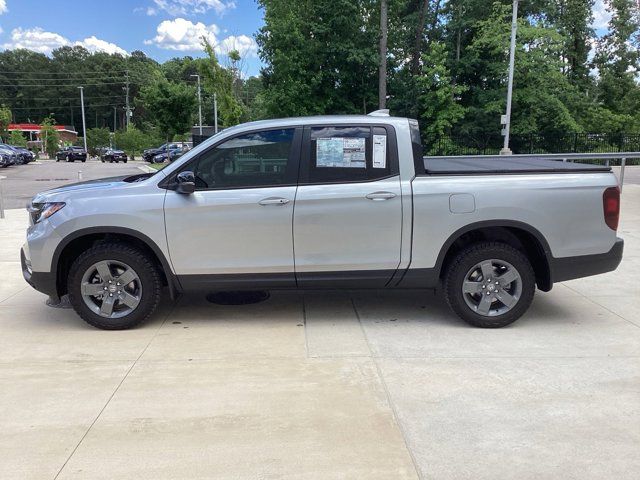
x=341 y=152
x=379 y=151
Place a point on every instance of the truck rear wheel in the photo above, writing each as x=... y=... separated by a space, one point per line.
x=489 y=284
x=114 y=286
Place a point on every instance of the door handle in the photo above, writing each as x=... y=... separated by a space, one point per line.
x=379 y=196
x=273 y=201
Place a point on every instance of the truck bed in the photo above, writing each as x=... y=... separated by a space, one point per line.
x=504 y=165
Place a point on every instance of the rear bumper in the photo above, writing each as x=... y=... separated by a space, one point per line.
x=44 y=282
x=569 y=268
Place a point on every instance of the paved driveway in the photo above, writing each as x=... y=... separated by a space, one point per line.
x=341 y=385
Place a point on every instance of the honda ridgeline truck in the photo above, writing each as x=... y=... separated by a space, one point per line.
x=339 y=202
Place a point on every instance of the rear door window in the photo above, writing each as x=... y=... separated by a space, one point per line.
x=339 y=154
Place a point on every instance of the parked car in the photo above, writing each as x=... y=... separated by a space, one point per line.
x=172 y=153
x=71 y=154
x=24 y=156
x=324 y=202
x=9 y=155
x=112 y=155
x=4 y=160
x=157 y=155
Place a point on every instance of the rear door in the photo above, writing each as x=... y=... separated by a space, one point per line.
x=348 y=212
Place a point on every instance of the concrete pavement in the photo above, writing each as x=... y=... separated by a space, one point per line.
x=340 y=385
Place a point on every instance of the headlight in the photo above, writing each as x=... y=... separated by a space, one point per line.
x=42 y=211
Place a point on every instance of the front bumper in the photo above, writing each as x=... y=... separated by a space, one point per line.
x=569 y=268
x=44 y=282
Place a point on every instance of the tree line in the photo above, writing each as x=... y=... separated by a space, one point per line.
x=443 y=62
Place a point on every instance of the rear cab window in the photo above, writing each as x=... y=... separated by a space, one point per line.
x=350 y=153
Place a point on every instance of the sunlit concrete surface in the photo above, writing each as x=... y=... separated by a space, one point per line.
x=338 y=385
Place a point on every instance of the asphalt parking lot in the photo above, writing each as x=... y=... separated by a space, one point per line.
x=23 y=181
x=338 y=385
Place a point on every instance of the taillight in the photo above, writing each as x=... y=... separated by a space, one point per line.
x=611 y=204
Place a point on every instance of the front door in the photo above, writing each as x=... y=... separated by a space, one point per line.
x=348 y=217
x=235 y=229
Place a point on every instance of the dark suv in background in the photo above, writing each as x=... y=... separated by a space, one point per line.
x=71 y=154
x=169 y=150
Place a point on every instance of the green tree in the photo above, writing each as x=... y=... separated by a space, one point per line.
x=17 y=138
x=172 y=106
x=438 y=97
x=221 y=81
x=5 y=120
x=132 y=141
x=50 y=136
x=618 y=59
x=320 y=55
x=97 y=137
x=572 y=19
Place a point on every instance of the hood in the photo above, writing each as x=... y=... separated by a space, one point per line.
x=101 y=183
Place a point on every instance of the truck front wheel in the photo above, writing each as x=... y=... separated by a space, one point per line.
x=489 y=284
x=114 y=286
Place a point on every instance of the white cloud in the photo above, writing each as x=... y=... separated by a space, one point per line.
x=94 y=44
x=35 y=39
x=190 y=7
x=3 y=6
x=38 y=40
x=246 y=46
x=601 y=16
x=183 y=35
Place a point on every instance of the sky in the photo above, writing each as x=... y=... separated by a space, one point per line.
x=163 y=29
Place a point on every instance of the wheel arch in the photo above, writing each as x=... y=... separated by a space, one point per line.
x=517 y=234
x=77 y=242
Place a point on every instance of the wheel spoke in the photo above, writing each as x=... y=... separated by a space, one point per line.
x=485 y=305
x=506 y=298
x=129 y=300
x=508 y=277
x=104 y=271
x=487 y=269
x=92 y=289
x=127 y=277
x=472 y=287
x=107 y=306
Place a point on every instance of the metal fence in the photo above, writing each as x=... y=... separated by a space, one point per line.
x=537 y=143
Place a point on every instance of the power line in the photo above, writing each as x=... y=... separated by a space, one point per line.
x=64 y=107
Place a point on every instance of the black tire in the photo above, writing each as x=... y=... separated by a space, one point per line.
x=84 y=160
x=138 y=260
x=464 y=261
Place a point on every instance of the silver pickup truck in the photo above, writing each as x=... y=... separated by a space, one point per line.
x=324 y=202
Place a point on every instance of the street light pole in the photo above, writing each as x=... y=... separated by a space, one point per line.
x=512 y=55
x=215 y=112
x=199 y=104
x=84 y=124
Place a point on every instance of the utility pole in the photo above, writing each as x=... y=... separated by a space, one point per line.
x=382 y=69
x=215 y=112
x=115 y=119
x=127 y=107
x=506 y=120
x=84 y=124
x=199 y=104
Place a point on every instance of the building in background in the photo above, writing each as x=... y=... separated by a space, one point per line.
x=68 y=134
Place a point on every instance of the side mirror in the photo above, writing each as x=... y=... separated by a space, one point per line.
x=186 y=183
